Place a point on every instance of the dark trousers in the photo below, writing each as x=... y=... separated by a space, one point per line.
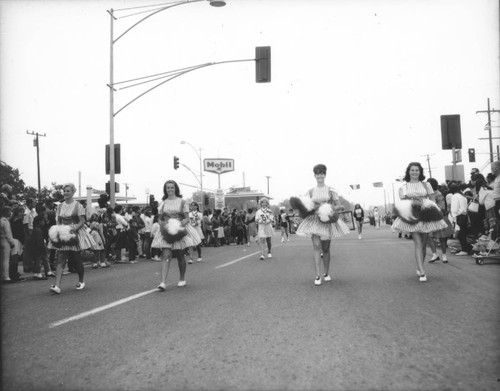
x=146 y=243
x=462 y=234
x=41 y=259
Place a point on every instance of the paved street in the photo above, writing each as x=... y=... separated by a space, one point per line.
x=246 y=324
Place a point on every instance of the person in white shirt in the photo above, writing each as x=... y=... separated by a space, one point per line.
x=145 y=233
x=121 y=237
x=485 y=198
x=458 y=215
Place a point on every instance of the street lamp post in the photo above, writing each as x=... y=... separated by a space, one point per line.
x=268 y=184
x=201 y=172
x=112 y=113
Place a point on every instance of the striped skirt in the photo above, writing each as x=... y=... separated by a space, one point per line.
x=420 y=226
x=190 y=240
x=85 y=241
x=312 y=225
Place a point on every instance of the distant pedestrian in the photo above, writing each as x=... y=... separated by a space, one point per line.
x=264 y=218
x=173 y=212
x=359 y=216
x=283 y=222
x=322 y=232
x=376 y=217
x=415 y=192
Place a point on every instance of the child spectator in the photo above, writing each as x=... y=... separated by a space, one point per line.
x=38 y=250
x=99 y=250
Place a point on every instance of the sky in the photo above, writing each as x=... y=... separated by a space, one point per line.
x=357 y=85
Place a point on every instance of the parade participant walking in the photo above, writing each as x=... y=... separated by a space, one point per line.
x=195 y=218
x=283 y=221
x=359 y=216
x=70 y=213
x=173 y=238
x=251 y=226
x=322 y=232
x=376 y=217
x=416 y=195
x=264 y=218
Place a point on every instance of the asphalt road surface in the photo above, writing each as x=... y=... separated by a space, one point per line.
x=245 y=324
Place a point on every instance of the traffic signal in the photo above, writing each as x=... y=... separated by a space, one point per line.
x=151 y=200
x=117 y=159
x=263 y=64
x=108 y=187
x=472 y=155
x=206 y=199
x=176 y=162
x=451 y=136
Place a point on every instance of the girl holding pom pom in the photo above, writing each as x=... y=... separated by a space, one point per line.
x=72 y=236
x=417 y=214
x=321 y=203
x=175 y=234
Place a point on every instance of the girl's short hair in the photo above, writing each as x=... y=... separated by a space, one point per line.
x=421 y=177
x=71 y=186
x=262 y=200
x=434 y=183
x=5 y=211
x=319 y=169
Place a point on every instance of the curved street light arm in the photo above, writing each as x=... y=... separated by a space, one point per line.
x=192 y=172
x=154 y=13
x=177 y=75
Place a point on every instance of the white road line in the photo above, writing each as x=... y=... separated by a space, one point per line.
x=99 y=309
x=237 y=260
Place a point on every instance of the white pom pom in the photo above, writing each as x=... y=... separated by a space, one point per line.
x=173 y=226
x=307 y=202
x=324 y=212
x=405 y=210
x=54 y=233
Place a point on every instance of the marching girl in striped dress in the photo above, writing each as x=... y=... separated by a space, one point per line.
x=322 y=233
x=70 y=213
x=173 y=209
x=419 y=226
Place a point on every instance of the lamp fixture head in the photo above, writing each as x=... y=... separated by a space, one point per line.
x=217 y=3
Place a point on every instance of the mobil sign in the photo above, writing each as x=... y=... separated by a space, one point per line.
x=218 y=166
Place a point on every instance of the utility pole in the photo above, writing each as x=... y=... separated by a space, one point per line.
x=126 y=192
x=489 y=111
x=429 y=163
x=36 y=144
x=268 y=184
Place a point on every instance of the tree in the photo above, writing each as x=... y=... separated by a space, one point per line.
x=11 y=176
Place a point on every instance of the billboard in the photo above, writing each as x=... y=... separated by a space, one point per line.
x=218 y=166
